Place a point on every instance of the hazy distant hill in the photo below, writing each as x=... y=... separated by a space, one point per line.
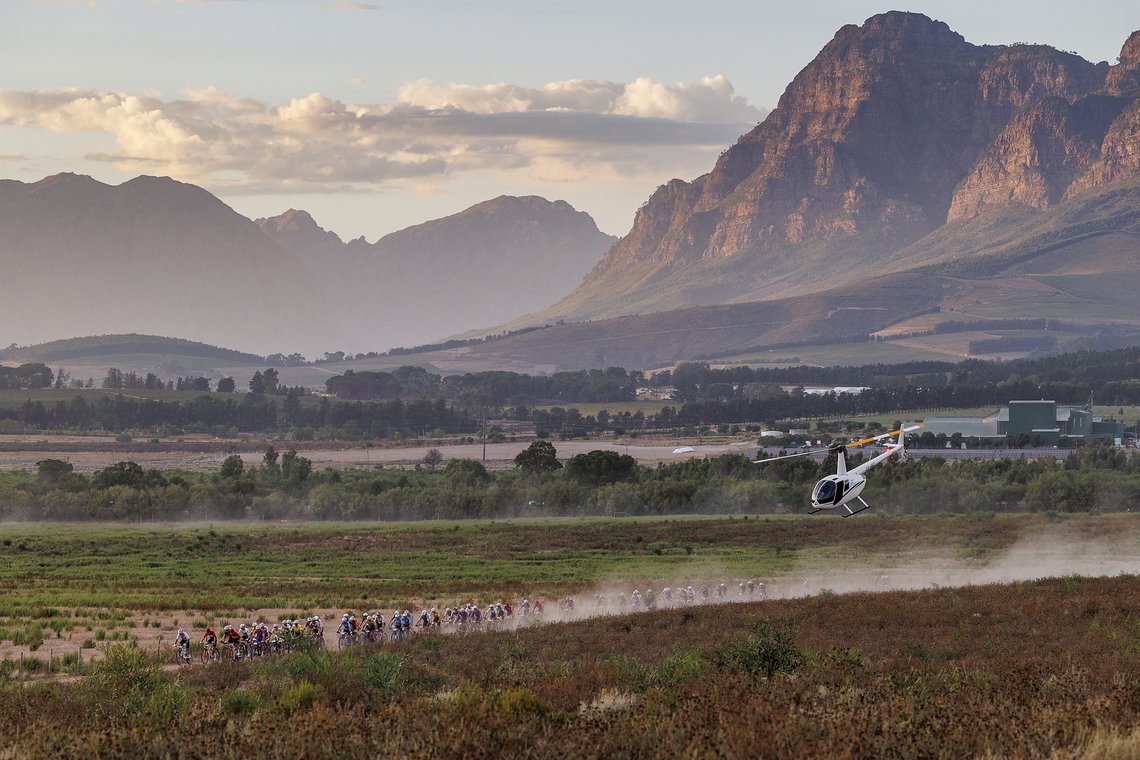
x=150 y=255
x=95 y=346
x=485 y=265
x=901 y=145
x=157 y=256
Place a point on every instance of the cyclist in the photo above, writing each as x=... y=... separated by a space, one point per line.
x=425 y=619
x=435 y=617
x=232 y=639
x=650 y=597
x=525 y=607
x=182 y=642
x=668 y=594
x=209 y=637
x=345 y=627
x=635 y=599
x=721 y=590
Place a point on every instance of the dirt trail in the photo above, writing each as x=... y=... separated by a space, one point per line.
x=1039 y=556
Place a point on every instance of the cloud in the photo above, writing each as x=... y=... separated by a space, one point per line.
x=710 y=100
x=560 y=131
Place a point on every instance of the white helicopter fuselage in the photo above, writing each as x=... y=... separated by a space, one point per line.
x=834 y=491
x=845 y=485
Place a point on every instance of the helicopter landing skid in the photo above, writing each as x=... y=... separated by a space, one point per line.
x=853 y=512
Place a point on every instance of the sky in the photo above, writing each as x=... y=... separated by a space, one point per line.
x=374 y=116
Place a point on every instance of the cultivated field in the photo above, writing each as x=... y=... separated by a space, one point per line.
x=957 y=652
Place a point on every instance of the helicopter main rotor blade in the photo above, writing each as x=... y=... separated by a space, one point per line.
x=790 y=456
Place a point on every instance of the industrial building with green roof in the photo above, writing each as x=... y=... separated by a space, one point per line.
x=1042 y=418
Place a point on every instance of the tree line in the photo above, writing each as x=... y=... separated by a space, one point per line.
x=286 y=486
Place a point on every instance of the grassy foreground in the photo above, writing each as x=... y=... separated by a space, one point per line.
x=1031 y=669
x=73 y=580
x=1027 y=669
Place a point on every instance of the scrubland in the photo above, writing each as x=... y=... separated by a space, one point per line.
x=971 y=651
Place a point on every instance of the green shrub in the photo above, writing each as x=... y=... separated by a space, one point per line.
x=770 y=651
x=239 y=702
x=166 y=702
x=125 y=677
x=300 y=696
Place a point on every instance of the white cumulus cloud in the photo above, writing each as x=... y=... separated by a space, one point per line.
x=560 y=131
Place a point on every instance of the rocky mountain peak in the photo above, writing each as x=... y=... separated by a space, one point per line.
x=866 y=152
x=1124 y=78
x=297 y=231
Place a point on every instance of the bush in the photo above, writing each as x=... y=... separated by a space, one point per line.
x=771 y=651
x=300 y=696
x=126 y=677
x=239 y=702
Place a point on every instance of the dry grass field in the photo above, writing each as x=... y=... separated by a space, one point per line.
x=993 y=637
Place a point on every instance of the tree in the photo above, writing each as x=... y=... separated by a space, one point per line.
x=601 y=467
x=432 y=459
x=226 y=385
x=49 y=471
x=257 y=383
x=129 y=474
x=295 y=468
x=467 y=472
x=232 y=467
x=114 y=378
x=269 y=377
x=538 y=458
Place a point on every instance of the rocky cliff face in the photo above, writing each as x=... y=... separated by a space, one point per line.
x=1035 y=159
x=896 y=127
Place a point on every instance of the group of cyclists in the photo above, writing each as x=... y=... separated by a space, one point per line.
x=673 y=596
x=257 y=640
x=262 y=639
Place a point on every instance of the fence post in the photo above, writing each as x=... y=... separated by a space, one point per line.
x=79 y=659
x=51 y=655
x=22 y=662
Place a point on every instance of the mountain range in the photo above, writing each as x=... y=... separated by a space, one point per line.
x=913 y=195
x=162 y=257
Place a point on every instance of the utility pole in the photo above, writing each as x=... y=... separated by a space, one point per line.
x=484 y=435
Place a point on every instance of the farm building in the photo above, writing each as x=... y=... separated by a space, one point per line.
x=1043 y=418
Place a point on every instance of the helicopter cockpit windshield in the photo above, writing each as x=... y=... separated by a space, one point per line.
x=824 y=492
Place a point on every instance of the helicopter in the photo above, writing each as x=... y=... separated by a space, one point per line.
x=839 y=490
